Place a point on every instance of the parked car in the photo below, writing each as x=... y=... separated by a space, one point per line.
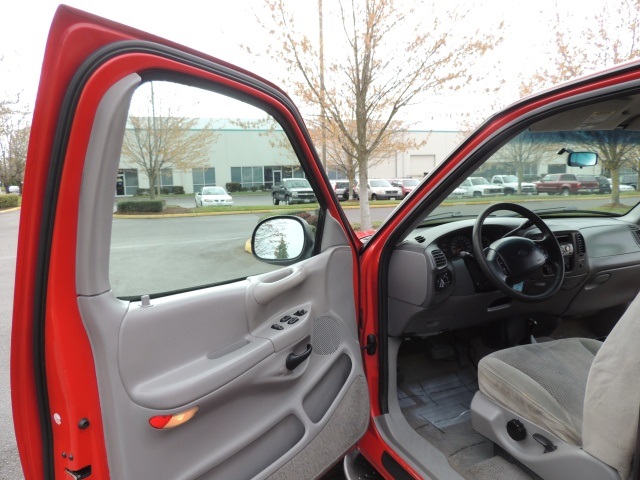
x=510 y=185
x=604 y=186
x=293 y=190
x=456 y=342
x=480 y=187
x=407 y=185
x=458 y=193
x=566 y=184
x=379 y=189
x=14 y=189
x=631 y=179
x=213 y=196
x=341 y=187
x=621 y=186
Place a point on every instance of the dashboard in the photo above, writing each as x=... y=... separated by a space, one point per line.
x=433 y=287
x=460 y=240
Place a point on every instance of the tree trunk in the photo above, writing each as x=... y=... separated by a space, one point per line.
x=152 y=187
x=363 y=177
x=615 y=185
x=520 y=174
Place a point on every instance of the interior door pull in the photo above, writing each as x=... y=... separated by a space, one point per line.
x=294 y=360
x=266 y=290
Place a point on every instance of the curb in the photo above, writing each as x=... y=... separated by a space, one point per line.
x=238 y=212
x=13 y=209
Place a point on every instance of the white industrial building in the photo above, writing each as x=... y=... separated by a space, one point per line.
x=248 y=157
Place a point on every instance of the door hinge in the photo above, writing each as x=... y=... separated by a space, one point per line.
x=372 y=344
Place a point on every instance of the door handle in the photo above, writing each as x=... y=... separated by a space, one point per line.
x=294 y=360
x=266 y=291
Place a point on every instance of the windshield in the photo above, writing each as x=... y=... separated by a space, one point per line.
x=529 y=170
x=214 y=191
x=479 y=181
x=379 y=183
x=412 y=182
x=298 y=183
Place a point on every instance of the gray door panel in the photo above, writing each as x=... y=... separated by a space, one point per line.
x=214 y=348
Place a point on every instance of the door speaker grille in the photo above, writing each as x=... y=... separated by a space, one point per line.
x=326 y=335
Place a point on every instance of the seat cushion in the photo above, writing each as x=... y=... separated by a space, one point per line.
x=543 y=382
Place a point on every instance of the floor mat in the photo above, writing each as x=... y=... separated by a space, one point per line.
x=442 y=401
x=435 y=398
x=496 y=467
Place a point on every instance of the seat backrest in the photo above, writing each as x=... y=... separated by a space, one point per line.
x=612 y=397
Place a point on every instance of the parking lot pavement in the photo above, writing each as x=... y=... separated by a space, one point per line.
x=9 y=461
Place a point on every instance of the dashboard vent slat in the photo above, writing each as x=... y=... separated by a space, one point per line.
x=636 y=233
x=580 y=244
x=439 y=257
x=420 y=239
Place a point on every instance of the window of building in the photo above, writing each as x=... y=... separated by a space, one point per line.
x=250 y=177
x=203 y=177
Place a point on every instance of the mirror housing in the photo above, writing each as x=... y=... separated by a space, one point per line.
x=580 y=159
x=282 y=240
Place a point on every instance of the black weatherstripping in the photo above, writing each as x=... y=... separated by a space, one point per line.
x=50 y=199
x=394 y=468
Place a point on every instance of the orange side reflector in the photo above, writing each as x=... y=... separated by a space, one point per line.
x=162 y=422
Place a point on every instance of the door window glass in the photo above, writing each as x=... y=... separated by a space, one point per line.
x=179 y=139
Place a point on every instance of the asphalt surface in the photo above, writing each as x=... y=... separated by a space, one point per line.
x=9 y=462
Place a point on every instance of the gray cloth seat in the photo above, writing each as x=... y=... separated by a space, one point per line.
x=585 y=392
x=544 y=382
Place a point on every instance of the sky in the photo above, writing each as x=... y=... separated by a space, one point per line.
x=219 y=28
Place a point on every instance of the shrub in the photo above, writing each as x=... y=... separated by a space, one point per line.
x=166 y=190
x=254 y=188
x=140 y=206
x=9 y=201
x=233 y=187
x=178 y=190
x=142 y=192
x=309 y=217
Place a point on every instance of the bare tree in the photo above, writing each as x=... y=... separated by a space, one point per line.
x=14 y=140
x=615 y=148
x=162 y=141
x=578 y=52
x=522 y=153
x=387 y=60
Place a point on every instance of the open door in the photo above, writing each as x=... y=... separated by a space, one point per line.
x=158 y=346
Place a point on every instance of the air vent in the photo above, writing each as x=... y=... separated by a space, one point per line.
x=636 y=233
x=439 y=258
x=580 y=244
x=420 y=239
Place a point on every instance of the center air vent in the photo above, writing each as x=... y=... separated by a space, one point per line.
x=439 y=258
x=580 y=244
x=636 y=233
x=420 y=239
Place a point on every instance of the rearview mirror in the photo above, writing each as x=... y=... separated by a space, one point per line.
x=282 y=240
x=580 y=159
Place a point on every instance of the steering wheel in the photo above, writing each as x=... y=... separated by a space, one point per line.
x=524 y=269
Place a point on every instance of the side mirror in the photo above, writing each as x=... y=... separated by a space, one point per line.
x=282 y=240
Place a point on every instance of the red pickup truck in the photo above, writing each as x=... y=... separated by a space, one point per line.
x=565 y=184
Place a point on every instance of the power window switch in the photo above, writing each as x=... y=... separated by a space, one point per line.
x=277 y=326
x=300 y=312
